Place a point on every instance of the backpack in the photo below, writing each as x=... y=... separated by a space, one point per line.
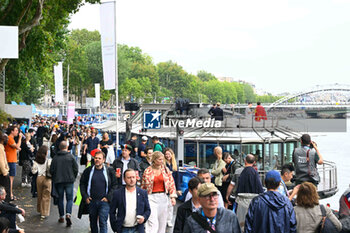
x=162 y=145
x=326 y=225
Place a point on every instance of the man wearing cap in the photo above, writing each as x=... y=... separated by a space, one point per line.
x=271 y=211
x=305 y=159
x=210 y=218
x=124 y=162
x=141 y=149
x=132 y=143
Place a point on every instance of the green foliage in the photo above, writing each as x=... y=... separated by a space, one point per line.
x=42 y=30
x=4 y=117
x=205 y=76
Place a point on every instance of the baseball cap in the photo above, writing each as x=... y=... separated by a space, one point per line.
x=206 y=189
x=144 y=138
x=273 y=175
x=93 y=152
x=128 y=147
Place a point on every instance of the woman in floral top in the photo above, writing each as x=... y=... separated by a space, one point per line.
x=159 y=182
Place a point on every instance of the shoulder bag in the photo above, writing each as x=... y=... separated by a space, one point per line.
x=47 y=172
x=326 y=225
x=204 y=224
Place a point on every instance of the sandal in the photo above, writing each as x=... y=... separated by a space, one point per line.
x=14 y=198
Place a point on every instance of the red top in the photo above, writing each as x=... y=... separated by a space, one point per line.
x=158 y=184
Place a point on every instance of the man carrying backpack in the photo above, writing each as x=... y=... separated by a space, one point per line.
x=158 y=146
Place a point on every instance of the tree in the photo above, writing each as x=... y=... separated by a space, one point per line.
x=28 y=14
x=205 y=76
x=249 y=93
x=42 y=30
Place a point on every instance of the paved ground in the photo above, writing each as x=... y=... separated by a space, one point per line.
x=32 y=221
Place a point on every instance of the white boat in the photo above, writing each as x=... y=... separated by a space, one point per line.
x=194 y=135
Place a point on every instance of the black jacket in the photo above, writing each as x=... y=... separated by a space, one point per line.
x=143 y=165
x=64 y=168
x=133 y=164
x=183 y=212
x=84 y=181
x=25 y=153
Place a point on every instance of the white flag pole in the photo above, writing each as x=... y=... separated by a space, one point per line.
x=116 y=75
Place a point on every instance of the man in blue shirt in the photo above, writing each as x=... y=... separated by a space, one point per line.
x=97 y=185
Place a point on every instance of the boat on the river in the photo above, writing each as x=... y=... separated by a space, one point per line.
x=192 y=134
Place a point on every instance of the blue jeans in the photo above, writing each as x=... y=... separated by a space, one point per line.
x=130 y=230
x=98 y=210
x=68 y=188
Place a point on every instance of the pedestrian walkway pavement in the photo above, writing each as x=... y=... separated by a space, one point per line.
x=33 y=223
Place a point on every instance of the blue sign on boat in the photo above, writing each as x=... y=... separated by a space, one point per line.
x=151 y=120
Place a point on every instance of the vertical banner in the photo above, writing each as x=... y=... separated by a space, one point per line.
x=70 y=112
x=58 y=83
x=97 y=94
x=8 y=42
x=108 y=43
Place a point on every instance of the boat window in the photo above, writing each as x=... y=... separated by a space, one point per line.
x=254 y=149
x=191 y=153
x=206 y=155
x=273 y=156
x=288 y=151
x=233 y=149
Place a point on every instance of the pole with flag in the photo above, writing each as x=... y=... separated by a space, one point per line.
x=109 y=52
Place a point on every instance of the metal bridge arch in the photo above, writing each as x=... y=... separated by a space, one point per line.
x=334 y=87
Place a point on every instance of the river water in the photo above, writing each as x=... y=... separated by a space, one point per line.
x=334 y=147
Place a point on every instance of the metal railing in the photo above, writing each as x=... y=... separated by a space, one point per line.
x=328 y=185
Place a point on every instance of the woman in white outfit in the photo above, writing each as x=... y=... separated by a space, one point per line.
x=159 y=182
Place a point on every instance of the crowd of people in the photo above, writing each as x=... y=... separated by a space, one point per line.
x=137 y=191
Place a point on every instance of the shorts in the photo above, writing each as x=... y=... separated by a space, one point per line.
x=12 y=167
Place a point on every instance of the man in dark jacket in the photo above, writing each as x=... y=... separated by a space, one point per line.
x=124 y=162
x=97 y=185
x=271 y=211
x=64 y=170
x=218 y=113
x=210 y=216
x=249 y=180
x=192 y=205
x=132 y=205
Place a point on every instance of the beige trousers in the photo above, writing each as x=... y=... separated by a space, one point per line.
x=43 y=185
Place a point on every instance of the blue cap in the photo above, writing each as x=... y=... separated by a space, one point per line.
x=273 y=175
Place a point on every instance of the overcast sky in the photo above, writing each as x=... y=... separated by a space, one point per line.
x=278 y=45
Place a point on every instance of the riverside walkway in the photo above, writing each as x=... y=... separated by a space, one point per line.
x=32 y=221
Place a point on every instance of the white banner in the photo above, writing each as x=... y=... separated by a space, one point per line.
x=108 y=43
x=8 y=42
x=58 y=83
x=97 y=94
x=70 y=112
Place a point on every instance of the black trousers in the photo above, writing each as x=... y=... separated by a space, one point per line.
x=5 y=182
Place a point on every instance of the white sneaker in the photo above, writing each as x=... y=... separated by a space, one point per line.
x=28 y=185
x=23 y=185
x=170 y=225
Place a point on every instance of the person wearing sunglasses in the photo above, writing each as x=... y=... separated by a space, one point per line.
x=210 y=218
